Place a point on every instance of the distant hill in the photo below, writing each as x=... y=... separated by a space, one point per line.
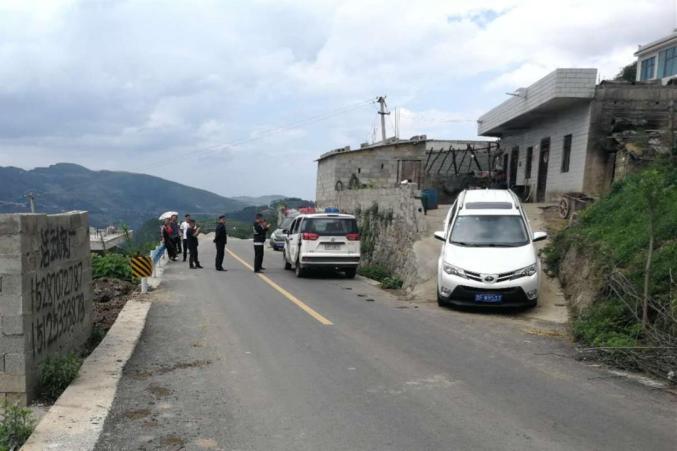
x=258 y=201
x=109 y=197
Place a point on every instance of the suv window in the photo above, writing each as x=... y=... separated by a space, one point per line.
x=489 y=231
x=330 y=226
x=295 y=226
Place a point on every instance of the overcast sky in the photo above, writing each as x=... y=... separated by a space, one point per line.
x=240 y=97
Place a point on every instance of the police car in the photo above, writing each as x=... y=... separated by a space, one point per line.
x=322 y=240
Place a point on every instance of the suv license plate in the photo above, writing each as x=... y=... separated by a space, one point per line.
x=332 y=247
x=488 y=298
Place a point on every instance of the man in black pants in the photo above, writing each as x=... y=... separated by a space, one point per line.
x=220 y=239
x=193 y=232
x=260 y=229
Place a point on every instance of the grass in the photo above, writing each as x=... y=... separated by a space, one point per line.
x=381 y=274
x=112 y=264
x=614 y=233
x=15 y=427
x=56 y=374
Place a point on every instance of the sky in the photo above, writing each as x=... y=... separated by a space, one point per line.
x=241 y=97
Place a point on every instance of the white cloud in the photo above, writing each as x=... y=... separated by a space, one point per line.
x=124 y=84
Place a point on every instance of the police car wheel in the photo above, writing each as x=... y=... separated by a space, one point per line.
x=300 y=272
x=287 y=265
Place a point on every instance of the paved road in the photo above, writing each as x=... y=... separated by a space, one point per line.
x=233 y=361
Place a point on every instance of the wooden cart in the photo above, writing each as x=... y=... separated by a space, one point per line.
x=573 y=202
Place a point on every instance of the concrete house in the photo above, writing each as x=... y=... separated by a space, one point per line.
x=657 y=60
x=564 y=132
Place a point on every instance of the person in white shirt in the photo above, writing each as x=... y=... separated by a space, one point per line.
x=185 y=225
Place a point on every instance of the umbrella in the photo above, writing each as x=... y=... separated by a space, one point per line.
x=167 y=214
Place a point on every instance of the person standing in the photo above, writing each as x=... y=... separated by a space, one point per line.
x=168 y=240
x=176 y=234
x=185 y=225
x=193 y=232
x=220 y=239
x=260 y=229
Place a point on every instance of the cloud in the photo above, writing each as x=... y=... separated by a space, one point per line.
x=220 y=94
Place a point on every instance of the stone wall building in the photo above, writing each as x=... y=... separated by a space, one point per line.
x=427 y=163
x=560 y=134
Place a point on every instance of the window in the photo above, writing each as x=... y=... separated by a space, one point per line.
x=329 y=226
x=647 y=69
x=566 y=153
x=489 y=231
x=530 y=156
x=667 y=62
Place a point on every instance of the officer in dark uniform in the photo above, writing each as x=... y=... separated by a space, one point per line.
x=193 y=233
x=260 y=229
x=220 y=240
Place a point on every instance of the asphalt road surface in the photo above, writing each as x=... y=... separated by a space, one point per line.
x=237 y=361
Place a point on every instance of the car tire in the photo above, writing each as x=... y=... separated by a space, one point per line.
x=350 y=273
x=287 y=265
x=300 y=272
x=440 y=300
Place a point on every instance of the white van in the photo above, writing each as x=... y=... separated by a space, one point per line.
x=488 y=257
x=326 y=240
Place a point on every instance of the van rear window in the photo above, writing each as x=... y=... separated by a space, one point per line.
x=488 y=205
x=329 y=226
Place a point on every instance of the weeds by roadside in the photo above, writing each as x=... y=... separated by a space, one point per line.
x=15 y=427
x=56 y=373
x=381 y=274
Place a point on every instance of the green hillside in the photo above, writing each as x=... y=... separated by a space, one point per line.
x=108 y=196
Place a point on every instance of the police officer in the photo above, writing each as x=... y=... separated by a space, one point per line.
x=220 y=240
x=260 y=229
x=193 y=232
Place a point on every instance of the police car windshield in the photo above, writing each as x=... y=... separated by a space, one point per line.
x=489 y=231
x=330 y=226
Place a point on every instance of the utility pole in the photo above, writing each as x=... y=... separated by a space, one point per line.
x=31 y=199
x=382 y=101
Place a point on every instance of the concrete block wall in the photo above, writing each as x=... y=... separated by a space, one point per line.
x=45 y=295
x=561 y=83
x=574 y=120
x=395 y=243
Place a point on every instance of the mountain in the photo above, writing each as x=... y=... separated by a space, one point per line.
x=258 y=201
x=110 y=197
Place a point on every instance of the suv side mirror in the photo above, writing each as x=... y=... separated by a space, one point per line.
x=439 y=235
x=540 y=236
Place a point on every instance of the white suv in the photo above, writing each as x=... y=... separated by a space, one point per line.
x=327 y=240
x=488 y=257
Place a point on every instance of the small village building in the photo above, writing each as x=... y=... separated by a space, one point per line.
x=657 y=60
x=419 y=161
x=566 y=133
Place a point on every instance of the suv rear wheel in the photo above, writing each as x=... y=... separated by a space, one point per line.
x=350 y=272
x=287 y=265
x=300 y=272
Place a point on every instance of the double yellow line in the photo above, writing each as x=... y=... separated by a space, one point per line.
x=300 y=304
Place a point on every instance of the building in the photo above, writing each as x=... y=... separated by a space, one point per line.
x=423 y=162
x=565 y=132
x=657 y=60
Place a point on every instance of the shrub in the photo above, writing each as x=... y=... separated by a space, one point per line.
x=392 y=283
x=15 y=427
x=56 y=373
x=607 y=323
x=111 y=265
x=374 y=272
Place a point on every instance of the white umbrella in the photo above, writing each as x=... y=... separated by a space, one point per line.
x=167 y=214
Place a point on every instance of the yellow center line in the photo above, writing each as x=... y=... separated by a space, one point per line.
x=300 y=304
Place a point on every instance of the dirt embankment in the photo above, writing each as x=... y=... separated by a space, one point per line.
x=110 y=296
x=582 y=280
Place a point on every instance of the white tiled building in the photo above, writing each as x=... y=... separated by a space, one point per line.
x=657 y=60
x=544 y=131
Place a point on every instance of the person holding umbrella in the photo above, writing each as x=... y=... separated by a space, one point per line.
x=168 y=239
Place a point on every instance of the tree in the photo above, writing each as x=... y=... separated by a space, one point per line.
x=627 y=73
x=650 y=187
